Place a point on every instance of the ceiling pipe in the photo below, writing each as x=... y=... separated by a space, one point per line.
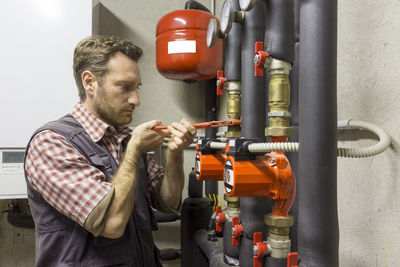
x=318 y=229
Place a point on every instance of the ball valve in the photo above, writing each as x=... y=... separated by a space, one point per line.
x=260 y=249
x=237 y=230
x=219 y=219
x=220 y=82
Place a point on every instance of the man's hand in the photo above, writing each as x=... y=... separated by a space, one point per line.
x=146 y=139
x=182 y=135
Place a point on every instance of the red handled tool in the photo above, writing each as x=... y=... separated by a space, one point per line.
x=207 y=124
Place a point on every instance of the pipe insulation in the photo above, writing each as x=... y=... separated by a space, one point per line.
x=232 y=50
x=252 y=209
x=381 y=146
x=280 y=29
x=318 y=224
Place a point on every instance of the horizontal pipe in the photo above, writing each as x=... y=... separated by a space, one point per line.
x=212 y=250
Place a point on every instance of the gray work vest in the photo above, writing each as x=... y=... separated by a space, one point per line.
x=63 y=242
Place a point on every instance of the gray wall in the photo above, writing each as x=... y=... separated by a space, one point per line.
x=368 y=69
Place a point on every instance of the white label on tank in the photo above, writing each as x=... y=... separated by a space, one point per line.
x=176 y=47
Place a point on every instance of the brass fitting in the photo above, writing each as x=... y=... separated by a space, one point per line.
x=278 y=237
x=233 y=207
x=233 y=107
x=232 y=202
x=279 y=98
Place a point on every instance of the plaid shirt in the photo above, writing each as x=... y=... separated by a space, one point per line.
x=65 y=178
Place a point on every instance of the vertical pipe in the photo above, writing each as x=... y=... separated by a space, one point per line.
x=294 y=122
x=212 y=4
x=280 y=29
x=211 y=187
x=318 y=230
x=232 y=50
x=253 y=124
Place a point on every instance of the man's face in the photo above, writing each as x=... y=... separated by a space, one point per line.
x=116 y=96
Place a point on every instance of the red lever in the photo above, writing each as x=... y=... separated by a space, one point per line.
x=220 y=219
x=261 y=55
x=293 y=259
x=220 y=81
x=237 y=232
x=259 y=249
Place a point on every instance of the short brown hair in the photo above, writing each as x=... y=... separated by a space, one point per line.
x=93 y=53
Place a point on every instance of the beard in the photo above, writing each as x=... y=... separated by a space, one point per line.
x=114 y=116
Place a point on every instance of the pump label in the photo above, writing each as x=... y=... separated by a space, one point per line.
x=197 y=166
x=187 y=46
x=229 y=177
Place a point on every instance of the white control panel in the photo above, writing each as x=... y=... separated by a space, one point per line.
x=12 y=179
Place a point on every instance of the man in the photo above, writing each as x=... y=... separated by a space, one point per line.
x=90 y=185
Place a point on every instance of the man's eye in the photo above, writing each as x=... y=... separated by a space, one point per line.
x=125 y=87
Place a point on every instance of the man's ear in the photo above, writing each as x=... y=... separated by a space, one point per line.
x=89 y=82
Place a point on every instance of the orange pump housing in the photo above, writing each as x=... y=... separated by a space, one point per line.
x=271 y=177
x=209 y=166
x=181 y=46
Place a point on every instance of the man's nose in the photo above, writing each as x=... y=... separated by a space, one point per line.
x=134 y=99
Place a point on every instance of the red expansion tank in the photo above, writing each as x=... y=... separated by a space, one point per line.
x=181 y=47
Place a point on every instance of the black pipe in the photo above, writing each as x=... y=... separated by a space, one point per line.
x=170 y=254
x=280 y=29
x=162 y=217
x=229 y=250
x=232 y=50
x=293 y=157
x=211 y=187
x=196 y=5
x=195 y=187
x=253 y=124
x=318 y=230
x=195 y=215
x=274 y=262
x=212 y=250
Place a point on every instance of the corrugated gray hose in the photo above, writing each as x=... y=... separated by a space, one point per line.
x=382 y=145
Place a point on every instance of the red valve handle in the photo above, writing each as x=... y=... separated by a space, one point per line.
x=261 y=249
x=221 y=81
x=293 y=259
x=238 y=231
x=221 y=219
x=220 y=222
x=259 y=65
x=218 y=209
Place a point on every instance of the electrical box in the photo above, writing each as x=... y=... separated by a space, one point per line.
x=37 y=84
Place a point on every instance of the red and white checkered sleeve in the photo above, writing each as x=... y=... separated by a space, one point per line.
x=155 y=170
x=64 y=177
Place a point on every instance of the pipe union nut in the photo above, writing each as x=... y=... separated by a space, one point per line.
x=276 y=221
x=279 y=131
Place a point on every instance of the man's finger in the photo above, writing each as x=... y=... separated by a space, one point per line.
x=175 y=131
x=165 y=132
x=189 y=126
x=151 y=124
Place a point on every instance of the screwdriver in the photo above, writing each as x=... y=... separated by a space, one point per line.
x=207 y=124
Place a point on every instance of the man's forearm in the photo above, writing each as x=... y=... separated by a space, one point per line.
x=173 y=181
x=121 y=206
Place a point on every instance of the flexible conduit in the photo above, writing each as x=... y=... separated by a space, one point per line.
x=382 y=145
